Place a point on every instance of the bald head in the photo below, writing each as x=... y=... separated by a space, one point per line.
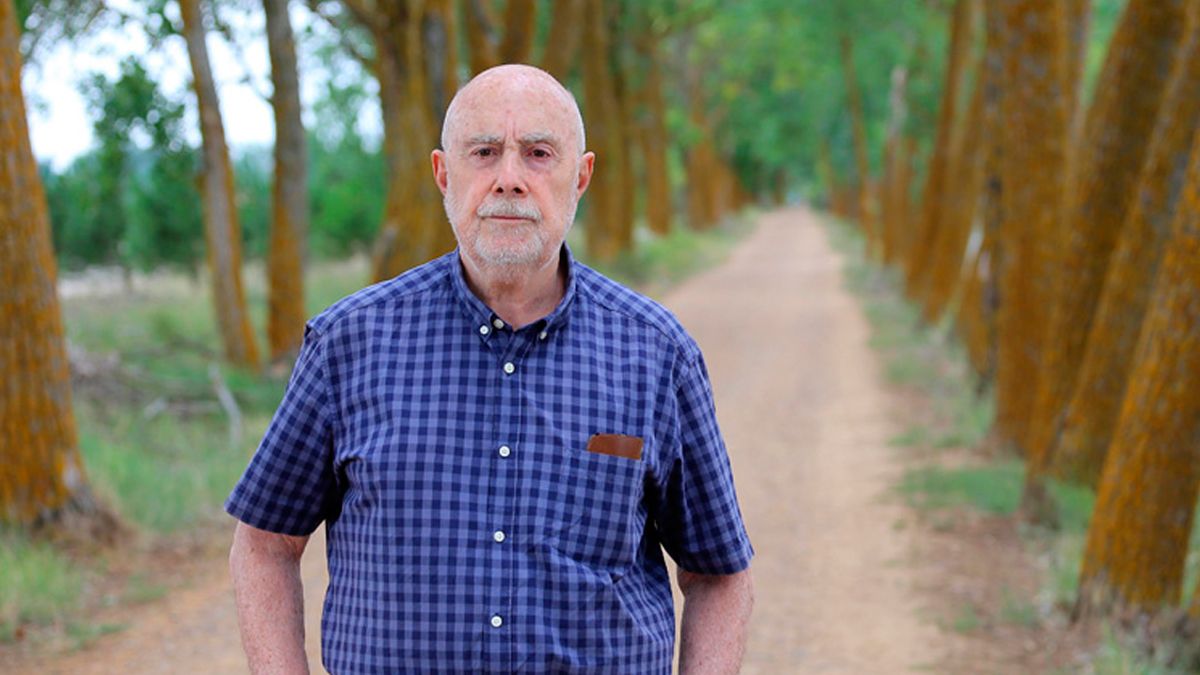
x=523 y=84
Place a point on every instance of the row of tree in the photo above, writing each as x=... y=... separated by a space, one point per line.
x=1064 y=237
x=692 y=108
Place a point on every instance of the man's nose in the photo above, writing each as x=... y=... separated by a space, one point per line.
x=511 y=177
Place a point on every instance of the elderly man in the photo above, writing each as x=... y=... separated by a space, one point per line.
x=501 y=443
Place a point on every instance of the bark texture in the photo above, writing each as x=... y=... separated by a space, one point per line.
x=414 y=227
x=1103 y=376
x=958 y=215
x=1138 y=538
x=933 y=194
x=563 y=42
x=222 y=232
x=289 y=193
x=609 y=231
x=1118 y=130
x=1035 y=134
x=42 y=473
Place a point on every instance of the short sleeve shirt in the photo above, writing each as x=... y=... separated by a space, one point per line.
x=498 y=499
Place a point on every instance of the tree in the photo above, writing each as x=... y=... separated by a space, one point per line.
x=933 y=196
x=1092 y=412
x=1117 y=133
x=958 y=214
x=1138 y=538
x=42 y=476
x=610 y=227
x=290 y=215
x=862 y=165
x=222 y=230
x=1033 y=172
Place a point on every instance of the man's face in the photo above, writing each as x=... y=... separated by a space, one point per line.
x=511 y=174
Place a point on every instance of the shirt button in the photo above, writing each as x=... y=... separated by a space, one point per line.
x=498 y=536
x=542 y=335
x=505 y=451
x=497 y=621
x=509 y=368
x=484 y=330
x=498 y=323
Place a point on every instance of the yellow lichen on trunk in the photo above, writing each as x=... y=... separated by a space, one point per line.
x=608 y=230
x=945 y=267
x=1138 y=539
x=414 y=227
x=1103 y=374
x=1033 y=172
x=289 y=192
x=41 y=472
x=222 y=232
x=1117 y=132
x=937 y=174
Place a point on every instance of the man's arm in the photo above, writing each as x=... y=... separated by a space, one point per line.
x=270 y=599
x=716 y=610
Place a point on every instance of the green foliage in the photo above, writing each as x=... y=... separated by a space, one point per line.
x=347 y=177
x=130 y=201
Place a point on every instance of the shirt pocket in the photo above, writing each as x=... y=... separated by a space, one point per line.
x=599 y=515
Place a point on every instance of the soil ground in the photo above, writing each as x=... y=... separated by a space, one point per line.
x=848 y=580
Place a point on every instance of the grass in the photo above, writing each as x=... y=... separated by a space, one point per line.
x=926 y=359
x=39 y=585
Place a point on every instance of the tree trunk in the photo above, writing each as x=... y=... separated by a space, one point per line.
x=519 y=23
x=1079 y=14
x=654 y=137
x=481 y=36
x=559 y=53
x=891 y=217
x=992 y=203
x=605 y=231
x=933 y=196
x=1103 y=374
x=42 y=476
x=958 y=215
x=1034 y=177
x=976 y=312
x=1138 y=538
x=861 y=162
x=222 y=231
x=414 y=227
x=1117 y=133
x=289 y=223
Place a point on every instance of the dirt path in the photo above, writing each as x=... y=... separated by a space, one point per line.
x=806 y=420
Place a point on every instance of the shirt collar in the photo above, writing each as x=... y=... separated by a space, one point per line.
x=482 y=316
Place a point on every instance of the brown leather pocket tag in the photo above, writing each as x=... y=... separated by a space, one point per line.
x=617 y=445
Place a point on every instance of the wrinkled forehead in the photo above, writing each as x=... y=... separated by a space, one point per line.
x=498 y=106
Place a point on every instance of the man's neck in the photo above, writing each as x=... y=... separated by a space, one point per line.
x=519 y=296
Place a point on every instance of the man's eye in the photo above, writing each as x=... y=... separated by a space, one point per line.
x=484 y=152
x=539 y=153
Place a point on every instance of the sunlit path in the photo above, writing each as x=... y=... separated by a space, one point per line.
x=806 y=419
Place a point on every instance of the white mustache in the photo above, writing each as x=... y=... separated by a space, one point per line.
x=507 y=209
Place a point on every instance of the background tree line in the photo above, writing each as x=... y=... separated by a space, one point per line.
x=694 y=109
x=1056 y=222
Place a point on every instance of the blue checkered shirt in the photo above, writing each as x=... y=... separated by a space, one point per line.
x=469 y=527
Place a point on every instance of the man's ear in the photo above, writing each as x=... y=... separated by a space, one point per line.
x=438 y=158
x=586 y=164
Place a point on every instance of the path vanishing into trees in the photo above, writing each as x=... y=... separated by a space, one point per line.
x=807 y=418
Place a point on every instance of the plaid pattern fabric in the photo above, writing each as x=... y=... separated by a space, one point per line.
x=469 y=527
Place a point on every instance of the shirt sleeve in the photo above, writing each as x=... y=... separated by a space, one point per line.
x=289 y=486
x=699 y=521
